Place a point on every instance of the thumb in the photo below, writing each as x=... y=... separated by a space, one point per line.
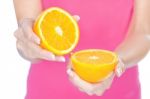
x=70 y=73
x=27 y=28
x=77 y=81
x=76 y=17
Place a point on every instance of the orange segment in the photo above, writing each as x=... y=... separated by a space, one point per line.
x=94 y=65
x=57 y=30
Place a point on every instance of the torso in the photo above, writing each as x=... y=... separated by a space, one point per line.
x=103 y=25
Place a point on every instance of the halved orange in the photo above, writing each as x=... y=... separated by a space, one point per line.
x=94 y=65
x=58 y=31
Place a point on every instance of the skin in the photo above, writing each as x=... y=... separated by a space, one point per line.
x=27 y=42
x=130 y=51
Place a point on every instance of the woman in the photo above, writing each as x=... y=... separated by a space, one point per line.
x=118 y=25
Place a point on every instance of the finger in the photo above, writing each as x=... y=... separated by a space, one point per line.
x=119 y=71
x=100 y=89
x=76 y=17
x=19 y=47
x=19 y=35
x=33 y=61
x=21 y=50
x=107 y=77
x=104 y=85
x=69 y=66
x=79 y=82
x=89 y=93
x=120 y=68
x=81 y=89
x=44 y=54
x=29 y=51
x=28 y=32
x=60 y=58
x=35 y=51
x=99 y=92
x=110 y=81
x=70 y=73
x=110 y=76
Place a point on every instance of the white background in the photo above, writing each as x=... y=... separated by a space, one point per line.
x=14 y=70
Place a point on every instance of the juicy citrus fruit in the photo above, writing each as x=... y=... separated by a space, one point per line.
x=58 y=31
x=94 y=65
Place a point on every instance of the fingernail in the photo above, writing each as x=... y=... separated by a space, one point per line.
x=52 y=57
x=99 y=94
x=60 y=58
x=89 y=93
x=81 y=90
x=118 y=72
x=38 y=41
x=69 y=72
x=77 y=17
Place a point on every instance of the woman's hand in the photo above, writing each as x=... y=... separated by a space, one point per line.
x=28 y=44
x=120 y=68
x=97 y=88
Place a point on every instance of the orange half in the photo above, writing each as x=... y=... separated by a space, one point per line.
x=58 y=31
x=94 y=65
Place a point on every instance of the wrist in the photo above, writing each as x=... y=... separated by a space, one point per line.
x=25 y=20
x=120 y=68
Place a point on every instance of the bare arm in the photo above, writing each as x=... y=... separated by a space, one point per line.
x=27 y=8
x=27 y=41
x=137 y=43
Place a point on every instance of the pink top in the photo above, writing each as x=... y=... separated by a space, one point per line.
x=103 y=25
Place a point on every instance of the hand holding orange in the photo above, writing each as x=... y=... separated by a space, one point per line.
x=58 y=31
x=94 y=65
x=59 y=34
